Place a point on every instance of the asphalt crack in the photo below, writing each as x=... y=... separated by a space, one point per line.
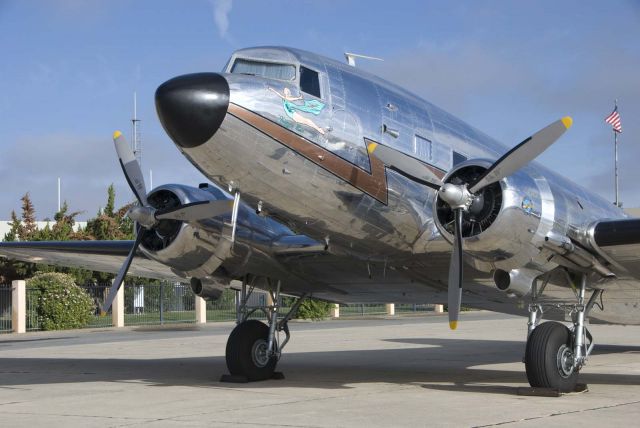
x=533 y=418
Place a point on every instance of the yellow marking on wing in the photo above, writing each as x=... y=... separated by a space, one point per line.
x=371 y=147
x=567 y=121
x=117 y=135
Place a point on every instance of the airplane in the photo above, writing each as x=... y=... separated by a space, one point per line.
x=329 y=182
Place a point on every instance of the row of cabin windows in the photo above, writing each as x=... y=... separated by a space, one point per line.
x=310 y=84
x=309 y=79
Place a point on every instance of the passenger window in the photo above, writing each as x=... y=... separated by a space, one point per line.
x=422 y=148
x=309 y=82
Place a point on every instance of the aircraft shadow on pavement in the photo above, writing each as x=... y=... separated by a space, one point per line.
x=445 y=364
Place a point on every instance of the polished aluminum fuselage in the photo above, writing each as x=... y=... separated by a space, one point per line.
x=396 y=232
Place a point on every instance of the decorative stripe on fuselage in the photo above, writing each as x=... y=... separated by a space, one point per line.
x=373 y=184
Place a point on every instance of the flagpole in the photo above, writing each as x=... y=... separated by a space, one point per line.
x=615 y=145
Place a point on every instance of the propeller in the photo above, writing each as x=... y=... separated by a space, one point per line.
x=147 y=216
x=460 y=197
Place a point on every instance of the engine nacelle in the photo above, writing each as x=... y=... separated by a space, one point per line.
x=505 y=226
x=188 y=248
x=517 y=281
x=209 y=288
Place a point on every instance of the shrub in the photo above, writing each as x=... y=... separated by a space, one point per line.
x=60 y=303
x=314 y=309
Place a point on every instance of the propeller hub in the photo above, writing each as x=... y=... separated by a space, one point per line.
x=144 y=216
x=457 y=196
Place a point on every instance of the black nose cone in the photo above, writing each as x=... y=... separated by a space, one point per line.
x=192 y=107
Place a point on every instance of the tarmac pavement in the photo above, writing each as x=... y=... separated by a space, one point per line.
x=394 y=372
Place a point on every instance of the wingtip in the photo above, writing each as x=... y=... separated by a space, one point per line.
x=453 y=325
x=371 y=147
x=117 y=135
x=567 y=121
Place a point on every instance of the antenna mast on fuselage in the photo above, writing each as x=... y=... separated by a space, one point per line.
x=351 y=58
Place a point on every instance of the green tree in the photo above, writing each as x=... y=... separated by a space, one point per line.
x=111 y=198
x=14 y=231
x=109 y=224
x=62 y=230
x=28 y=226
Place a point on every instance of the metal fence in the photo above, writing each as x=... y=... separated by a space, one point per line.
x=362 y=310
x=368 y=309
x=165 y=302
x=161 y=303
x=5 y=308
x=144 y=304
x=405 y=308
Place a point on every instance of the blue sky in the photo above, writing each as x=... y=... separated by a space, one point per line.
x=70 y=67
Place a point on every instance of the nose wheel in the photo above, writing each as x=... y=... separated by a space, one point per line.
x=247 y=352
x=253 y=348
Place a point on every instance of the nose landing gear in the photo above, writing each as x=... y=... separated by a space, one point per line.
x=253 y=348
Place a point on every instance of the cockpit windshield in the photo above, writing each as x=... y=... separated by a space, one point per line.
x=270 y=70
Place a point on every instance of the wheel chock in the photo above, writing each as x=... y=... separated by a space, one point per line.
x=228 y=378
x=552 y=392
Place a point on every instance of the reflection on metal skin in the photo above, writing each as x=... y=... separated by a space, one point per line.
x=190 y=249
x=314 y=201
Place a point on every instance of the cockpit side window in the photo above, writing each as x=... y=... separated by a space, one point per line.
x=270 y=70
x=309 y=82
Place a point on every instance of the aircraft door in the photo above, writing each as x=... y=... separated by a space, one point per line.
x=398 y=122
x=355 y=116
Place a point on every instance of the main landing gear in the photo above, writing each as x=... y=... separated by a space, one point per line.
x=253 y=348
x=555 y=353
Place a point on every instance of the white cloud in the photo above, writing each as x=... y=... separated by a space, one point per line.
x=221 y=9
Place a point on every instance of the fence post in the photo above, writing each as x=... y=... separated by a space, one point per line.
x=438 y=309
x=161 y=302
x=391 y=308
x=334 y=312
x=117 y=309
x=19 y=306
x=201 y=310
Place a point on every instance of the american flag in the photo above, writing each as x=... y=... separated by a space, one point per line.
x=614 y=120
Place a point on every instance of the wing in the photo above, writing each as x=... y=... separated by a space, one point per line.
x=103 y=256
x=618 y=241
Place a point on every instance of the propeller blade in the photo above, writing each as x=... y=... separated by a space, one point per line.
x=454 y=297
x=406 y=165
x=130 y=167
x=195 y=210
x=117 y=282
x=522 y=154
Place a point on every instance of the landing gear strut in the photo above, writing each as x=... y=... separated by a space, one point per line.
x=555 y=354
x=253 y=348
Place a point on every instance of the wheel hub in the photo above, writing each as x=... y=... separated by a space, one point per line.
x=259 y=353
x=565 y=361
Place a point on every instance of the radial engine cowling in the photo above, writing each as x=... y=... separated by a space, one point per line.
x=195 y=249
x=505 y=226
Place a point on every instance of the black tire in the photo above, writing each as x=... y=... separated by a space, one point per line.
x=241 y=356
x=547 y=345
